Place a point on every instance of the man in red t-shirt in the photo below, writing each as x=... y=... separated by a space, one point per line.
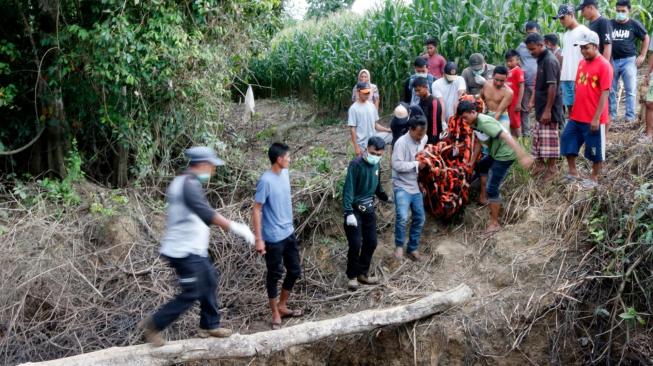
x=435 y=61
x=589 y=114
x=516 y=82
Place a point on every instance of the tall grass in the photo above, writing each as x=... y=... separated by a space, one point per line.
x=322 y=57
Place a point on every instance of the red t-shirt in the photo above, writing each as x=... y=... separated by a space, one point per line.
x=436 y=65
x=515 y=77
x=592 y=78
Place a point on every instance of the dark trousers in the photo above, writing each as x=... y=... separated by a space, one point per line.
x=199 y=282
x=525 y=112
x=277 y=255
x=360 y=251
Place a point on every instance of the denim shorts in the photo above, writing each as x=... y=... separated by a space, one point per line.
x=577 y=134
x=568 y=88
x=496 y=170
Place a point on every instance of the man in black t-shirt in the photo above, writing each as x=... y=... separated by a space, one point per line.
x=548 y=107
x=626 y=58
x=432 y=110
x=589 y=9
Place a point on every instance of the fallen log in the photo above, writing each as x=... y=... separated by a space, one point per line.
x=264 y=343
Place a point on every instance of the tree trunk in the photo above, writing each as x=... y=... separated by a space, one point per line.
x=121 y=165
x=264 y=343
x=58 y=141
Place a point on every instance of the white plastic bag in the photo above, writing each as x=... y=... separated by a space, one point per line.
x=249 y=100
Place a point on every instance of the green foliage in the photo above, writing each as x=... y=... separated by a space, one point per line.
x=107 y=209
x=328 y=53
x=62 y=190
x=149 y=76
x=321 y=8
x=8 y=91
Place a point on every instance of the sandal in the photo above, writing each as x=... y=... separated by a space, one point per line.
x=293 y=314
x=570 y=179
x=275 y=325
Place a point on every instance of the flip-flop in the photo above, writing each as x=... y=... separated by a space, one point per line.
x=275 y=325
x=570 y=179
x=588 y=184
x=293 y=314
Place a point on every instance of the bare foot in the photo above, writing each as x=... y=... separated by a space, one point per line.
x=492 y=228
x=549 y=175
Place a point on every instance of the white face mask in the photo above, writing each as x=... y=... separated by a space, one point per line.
x=372 y=159
x=450 y=78
x=422 y=74
x=621 y=17
x=204 y=177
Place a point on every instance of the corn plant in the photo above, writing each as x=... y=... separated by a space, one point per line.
x=322 y=58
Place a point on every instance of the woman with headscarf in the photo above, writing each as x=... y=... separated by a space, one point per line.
x=365 y=77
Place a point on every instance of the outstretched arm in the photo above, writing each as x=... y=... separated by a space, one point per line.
x=525 y=159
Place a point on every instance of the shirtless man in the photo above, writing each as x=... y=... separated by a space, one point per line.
x=498 y=96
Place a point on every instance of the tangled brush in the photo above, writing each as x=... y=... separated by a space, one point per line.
x=444 y=180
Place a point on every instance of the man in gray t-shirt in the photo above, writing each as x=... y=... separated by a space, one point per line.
x=529 y=65
x=362 y=120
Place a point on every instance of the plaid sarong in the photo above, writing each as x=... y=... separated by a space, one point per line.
x=546 y=141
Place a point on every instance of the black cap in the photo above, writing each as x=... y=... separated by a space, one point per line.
x=449 y=67
x=565 y=9
x=363 y=86
x=586 y=3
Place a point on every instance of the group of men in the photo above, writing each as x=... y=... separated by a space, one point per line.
x=571 y=89
x=186 y=241
x=576 y=82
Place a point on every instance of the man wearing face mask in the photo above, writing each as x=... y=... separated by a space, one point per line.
x=448 y=90
x=361 y=185
x=185 y=247
x=477 y=73
x=421 y=71
x=626 y=58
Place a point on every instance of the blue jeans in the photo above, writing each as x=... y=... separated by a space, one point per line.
x=567 y=87
x=496 y=171
x=404 y=201
x=626 y=69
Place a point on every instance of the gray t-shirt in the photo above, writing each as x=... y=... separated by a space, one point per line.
x=448 y=91
x=529 y=64
x=363 y=116
x=404 y=164
x=273 y=193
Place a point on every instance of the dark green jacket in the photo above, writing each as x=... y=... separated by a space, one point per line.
x=362 y=182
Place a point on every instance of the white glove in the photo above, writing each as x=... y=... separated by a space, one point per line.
x=351 y=220
x=479 y=79
x=243 y=231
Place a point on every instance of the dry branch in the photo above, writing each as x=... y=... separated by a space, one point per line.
x=263 y=343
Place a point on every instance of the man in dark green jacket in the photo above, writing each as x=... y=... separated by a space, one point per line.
x=361 y=184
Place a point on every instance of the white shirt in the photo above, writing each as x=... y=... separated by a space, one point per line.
x=363 y=116
x=571 y=55
x=448 y=91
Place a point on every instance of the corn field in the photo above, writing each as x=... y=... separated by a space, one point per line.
x=321 y=58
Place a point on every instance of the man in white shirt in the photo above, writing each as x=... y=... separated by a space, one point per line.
x=363 y=120
x=571 y=55
x=448 y=90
